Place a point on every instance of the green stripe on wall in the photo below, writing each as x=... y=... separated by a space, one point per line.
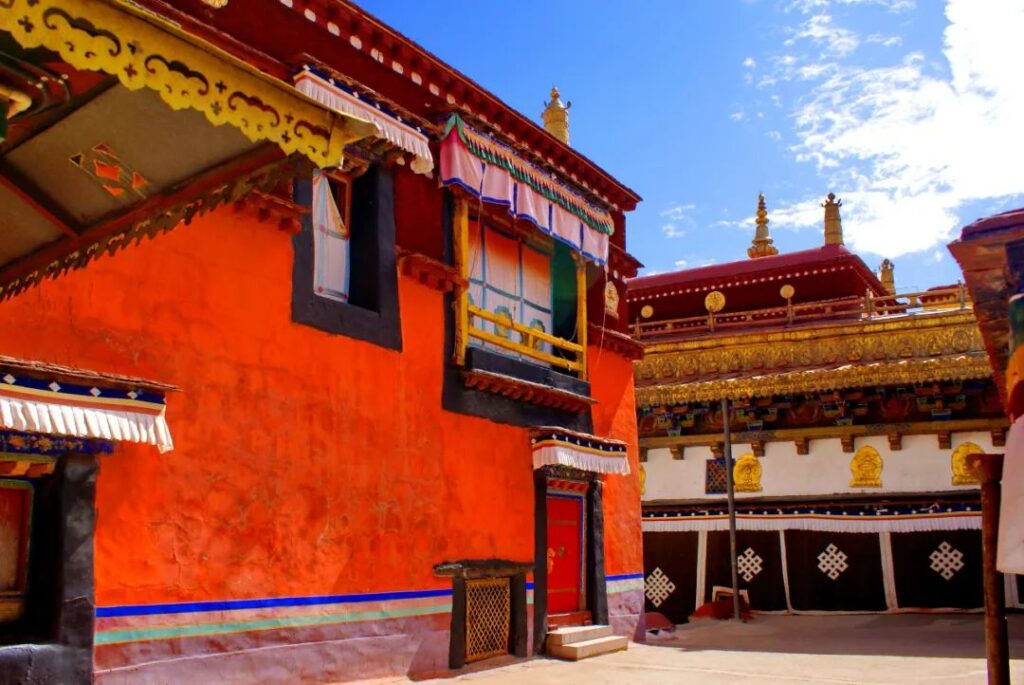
x=114 y=637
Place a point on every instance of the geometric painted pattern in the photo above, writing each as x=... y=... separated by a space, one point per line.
x=947 y=560
x=714 y=476
x=658 y=587
x=749 y=564
x=832 y=562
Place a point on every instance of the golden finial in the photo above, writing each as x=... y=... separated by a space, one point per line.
x=556 y=117
x=762 y=246
x=886 y=276
x=833 y=222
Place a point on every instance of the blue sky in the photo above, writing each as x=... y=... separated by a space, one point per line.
x=911 y=112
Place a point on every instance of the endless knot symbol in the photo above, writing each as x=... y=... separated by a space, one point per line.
x=658 y=587
x=749 y=564
x=947 y=560
x=832 y=562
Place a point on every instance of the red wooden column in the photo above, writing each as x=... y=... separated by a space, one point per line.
x=989 y=469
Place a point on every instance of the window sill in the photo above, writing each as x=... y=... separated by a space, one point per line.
x=524 y=381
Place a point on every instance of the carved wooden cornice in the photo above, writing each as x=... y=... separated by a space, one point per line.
x=912 y=349
x=428 y=271
x=906 y=372
x=615 y=341
x=801 y=437
x=526 y=391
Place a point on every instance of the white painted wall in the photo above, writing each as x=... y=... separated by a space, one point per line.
x=919 y=467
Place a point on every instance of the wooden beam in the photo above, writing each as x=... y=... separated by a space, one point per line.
x=35 y=199
x=831 y=432
x=202 y=182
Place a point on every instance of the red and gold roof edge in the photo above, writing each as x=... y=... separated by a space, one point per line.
x=162 y=214
x=406 y=62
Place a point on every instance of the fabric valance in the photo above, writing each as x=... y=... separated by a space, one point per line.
x=390 y=127
x=32 y=404
x=497 y=175
x=553 y=446
x=892 y=519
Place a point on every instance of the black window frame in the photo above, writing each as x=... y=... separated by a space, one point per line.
x=372 y=313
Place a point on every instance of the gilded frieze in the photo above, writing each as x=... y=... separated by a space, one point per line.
x=945 y=346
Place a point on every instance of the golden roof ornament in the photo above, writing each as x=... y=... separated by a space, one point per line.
x=762 y=246
x=833 y=222
x=556 y=117
x=886 y=276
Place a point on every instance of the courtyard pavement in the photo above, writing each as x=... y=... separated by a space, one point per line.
x=779 y=649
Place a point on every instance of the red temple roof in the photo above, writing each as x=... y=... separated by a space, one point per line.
x=828 y=272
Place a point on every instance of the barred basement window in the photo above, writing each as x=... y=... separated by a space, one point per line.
x=488 y=617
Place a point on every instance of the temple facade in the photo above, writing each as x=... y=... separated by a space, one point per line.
x=851 y=407
x=317 y=364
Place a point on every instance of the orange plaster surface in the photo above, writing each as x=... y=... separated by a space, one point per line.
x=611 y=384
x=305 y=463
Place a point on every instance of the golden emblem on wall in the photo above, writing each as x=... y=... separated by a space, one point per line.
x=611 y=300
x=958 y=462
x=866 y=468
x=715 y=301
x=647 y=311
x=746 y=473
x=787 y=291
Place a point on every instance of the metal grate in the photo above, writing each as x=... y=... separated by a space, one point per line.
x=488 y=612
x=714 y=477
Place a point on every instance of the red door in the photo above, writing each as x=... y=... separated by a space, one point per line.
x=566 y=532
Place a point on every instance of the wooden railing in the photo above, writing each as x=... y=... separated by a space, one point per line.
x=870 y=306
x=467 y=315
x=528 y=339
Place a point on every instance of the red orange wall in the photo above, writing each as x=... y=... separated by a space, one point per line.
x=305 y=463
x=611 y=384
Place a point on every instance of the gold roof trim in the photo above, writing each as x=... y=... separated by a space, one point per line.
x=907 y=371
x=144 y=50
x=859 y=328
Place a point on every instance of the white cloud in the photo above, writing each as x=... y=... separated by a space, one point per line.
x=774 y=135
x=750 y=63
x=678 y=220
x=738 y=116
x=808 y=6
x=906 y=147
x=884 y=41
x=833 y=39
x=938 y=256
x=681 y=263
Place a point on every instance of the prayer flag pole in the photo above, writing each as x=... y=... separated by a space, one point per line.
x=731 y=495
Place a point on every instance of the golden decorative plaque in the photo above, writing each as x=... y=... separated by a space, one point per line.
x=958 y=462
x=866 y=468
x=746 y=474
x=715 y=301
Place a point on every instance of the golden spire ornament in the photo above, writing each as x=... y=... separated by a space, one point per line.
x=833 y=222
x=556 y=117
x=762 y=246
x=887 y=277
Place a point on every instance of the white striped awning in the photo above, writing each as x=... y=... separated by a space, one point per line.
x=332 y=95
x=68 y=402
x=553 y=446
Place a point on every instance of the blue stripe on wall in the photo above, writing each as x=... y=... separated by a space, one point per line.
x=235 y=604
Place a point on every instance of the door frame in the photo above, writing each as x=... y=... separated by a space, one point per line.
x=593 y=577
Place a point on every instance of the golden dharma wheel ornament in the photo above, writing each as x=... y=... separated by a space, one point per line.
x=647 y=311
x=715 y=301
x=216 y=4
x=787 y=291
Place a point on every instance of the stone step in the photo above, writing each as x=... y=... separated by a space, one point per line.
x=569 y=635
x=589 y=648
